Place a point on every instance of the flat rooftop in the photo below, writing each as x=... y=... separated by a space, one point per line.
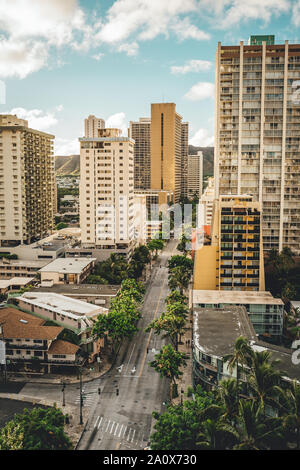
x=234 y=297
x=15 y=281
x=284 y=355
x=61 y=304
x=24 y=263
x=68 y=265
x=80 y=289
x=216 y=330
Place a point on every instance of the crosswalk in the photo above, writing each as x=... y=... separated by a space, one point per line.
x=88 y=397
x=120 y=430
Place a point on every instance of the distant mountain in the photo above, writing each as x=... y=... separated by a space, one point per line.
x=208 y=158
x=70 y=164
x=67 y=165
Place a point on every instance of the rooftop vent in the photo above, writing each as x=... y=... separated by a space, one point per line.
x=23 y=321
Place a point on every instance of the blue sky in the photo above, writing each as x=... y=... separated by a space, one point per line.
x=63 y=60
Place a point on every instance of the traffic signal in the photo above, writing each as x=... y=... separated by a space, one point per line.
x=99 y=391
x=117 y=391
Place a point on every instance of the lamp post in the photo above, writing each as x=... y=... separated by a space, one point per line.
x=63 y=393
x=81 y=397
x=181 y=395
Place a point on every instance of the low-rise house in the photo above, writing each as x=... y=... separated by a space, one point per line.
x=265 y=312
x=20 y=267
x=215 y=331
x=15 y=284
x=30 y=345
x=98 y=294
x=70 y=313
x=67 y=270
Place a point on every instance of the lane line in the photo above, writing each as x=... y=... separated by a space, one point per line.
x=130 y=357
x=150 y=334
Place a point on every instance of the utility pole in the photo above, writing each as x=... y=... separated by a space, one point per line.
x=63 y=392
x=81 y=397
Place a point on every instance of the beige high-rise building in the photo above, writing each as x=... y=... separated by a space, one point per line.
x=257 y=133
x=207 y=200
x=27 y=182
x=166 y=148
x=91 y=126
x=184 y=158
x=195 y=175
x=107 y=190
x=140 y=132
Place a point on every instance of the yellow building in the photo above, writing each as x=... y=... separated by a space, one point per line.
x=27 y=182
x=234 y=260
x=166 y=148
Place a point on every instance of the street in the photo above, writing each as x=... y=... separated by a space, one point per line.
x=124 y=421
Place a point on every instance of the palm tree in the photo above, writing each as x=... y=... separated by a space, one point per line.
x=216 y=435
x=255 y=431
x=290 y=406
x=241 y=356
x=180 y=278
x=264 y=378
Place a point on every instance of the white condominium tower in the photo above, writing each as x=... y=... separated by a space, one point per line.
x=27 y=182
x=257 y=133
x=195 y=175
x=107 y=190
x=91 y=126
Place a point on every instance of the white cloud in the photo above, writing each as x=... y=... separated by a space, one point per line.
x=193 y=65
x=296 y=13
x=66 y=147
x=31 y=27
x=146 y=19
x=227 y=13
x=130 y=48
x=20 y=58
x=37 y=119
x=200 y=91
x=98 y=56
x=118 y=121
x=202 y=138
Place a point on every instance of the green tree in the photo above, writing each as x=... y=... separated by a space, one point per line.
x=38 y=429
x=290 y=408
x=179 y=278
x=168 y=363
x=240 y=356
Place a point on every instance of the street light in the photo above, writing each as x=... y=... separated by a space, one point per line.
x=63 y=392
x=182 y=392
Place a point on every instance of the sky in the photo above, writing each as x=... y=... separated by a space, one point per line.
x=63 y=60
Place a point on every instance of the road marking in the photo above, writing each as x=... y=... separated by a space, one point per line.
x=121 y=430
x=107 y=426
x=124 y=431
x=133 y=435
x=129 y=434
x=113 y=423
x=100 y=422
x=118 y=424
x=130 y=357
x=150 y=334
x=95 y=425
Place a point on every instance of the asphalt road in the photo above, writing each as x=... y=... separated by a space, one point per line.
x=124 y=421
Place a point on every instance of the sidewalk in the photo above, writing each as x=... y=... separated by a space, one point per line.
x=186 y=380
x=88 y=374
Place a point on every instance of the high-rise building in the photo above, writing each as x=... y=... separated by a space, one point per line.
x=184 y=158
x=91 y=126
x=27 y=182
x=195 y=175
x=107 y=190
x=140 y=132
x=207 y=199
x=234 y=260
x=257 y=133
x=166 y=148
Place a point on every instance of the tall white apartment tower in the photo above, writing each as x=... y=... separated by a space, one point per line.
x=91 y=126
x=107 y=190
x=257 y=133
x=27 y=182
x=195 y=175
